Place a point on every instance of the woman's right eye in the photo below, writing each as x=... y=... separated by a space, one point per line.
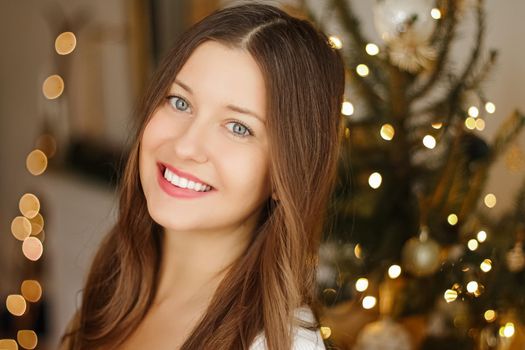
x=178 y=103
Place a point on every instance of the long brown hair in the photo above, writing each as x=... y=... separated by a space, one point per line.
x=304 y=79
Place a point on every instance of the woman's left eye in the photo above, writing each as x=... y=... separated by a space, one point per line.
x=178 y=102
x=240 y=130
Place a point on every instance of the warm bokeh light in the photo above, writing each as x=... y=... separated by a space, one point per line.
x=8 y=344
x=429 y=141
x=31 y=290
x=361 y=284
x=490 y=315
x=347 y=133
x=486 y=265
x=37 y=224
x=437 y=125
x=372 y=49
x=36 y=162
x=53 y=87
x=473 y=111
x=358 y=252
x=362 y=70
x=508 y=330
x=369 y=302
x=472 y=244
x=21 y=227
x=335 y=42
x=387 y=132
x=452 y=219
x=394 y=271
x=375 y=180
x=490 y=107
x=472 y=286
x=65 y=43
x=16 y=304
x=326 y=332
x=480 y=124
x=32 y=248
x=470 y=123
x=27 y=339
x=435 y=13
x=347 y=108
x=490 y=200
x=481 y=236
x=29 y=205
x=450 y=295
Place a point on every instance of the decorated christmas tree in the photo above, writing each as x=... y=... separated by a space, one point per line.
x=411 y=257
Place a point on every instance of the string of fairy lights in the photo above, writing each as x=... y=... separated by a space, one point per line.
x=473 y=121
x=28 y=228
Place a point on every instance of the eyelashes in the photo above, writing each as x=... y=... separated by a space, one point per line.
x=182 y=103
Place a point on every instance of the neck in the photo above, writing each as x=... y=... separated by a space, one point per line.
x=194 y=263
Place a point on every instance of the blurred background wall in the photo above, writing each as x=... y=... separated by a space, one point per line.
x=119 y=44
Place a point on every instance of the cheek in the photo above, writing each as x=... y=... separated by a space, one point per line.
x=245 y=171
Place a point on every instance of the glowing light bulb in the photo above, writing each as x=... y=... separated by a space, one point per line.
x=473 y=111
x=480 y=124
x=490 y=200
x=335 y=42
x=450 y=295
x=429 y=141
x=472 y=244
x=508 y=330
x=435 y=13
x=358 y=251
x=490 y=107
x=326 y=332
x=369 y=302
x=472 y=286
x=486 y=265
x=470 y=123
x=27 y=339
x=490 y=315
x=362 y=70
x=387 y=132
x=361 y=284
x=375 y=180
x=452 y=219
x=65 y=43
x=482 y=236
x=347 y=108
x=394 y=271
x=372 y=49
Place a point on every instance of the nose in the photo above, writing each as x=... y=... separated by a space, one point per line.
x=190 y=143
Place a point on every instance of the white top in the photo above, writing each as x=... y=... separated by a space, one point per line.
x=303 y=339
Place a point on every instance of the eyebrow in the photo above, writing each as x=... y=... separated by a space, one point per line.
x=230 y=106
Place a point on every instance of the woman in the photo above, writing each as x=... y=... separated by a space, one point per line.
x=223 y=196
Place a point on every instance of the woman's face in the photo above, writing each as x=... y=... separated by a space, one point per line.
x=200 y=131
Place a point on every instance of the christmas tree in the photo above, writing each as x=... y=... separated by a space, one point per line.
x=411 y=258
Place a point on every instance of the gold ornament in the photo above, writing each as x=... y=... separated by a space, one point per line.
x=421 y=255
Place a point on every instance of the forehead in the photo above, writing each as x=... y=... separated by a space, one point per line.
x=220 y=74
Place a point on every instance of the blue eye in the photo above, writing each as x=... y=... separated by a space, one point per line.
x=240 y=130
x=179 y=103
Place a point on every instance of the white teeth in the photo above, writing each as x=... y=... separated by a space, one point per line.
x=185 y=183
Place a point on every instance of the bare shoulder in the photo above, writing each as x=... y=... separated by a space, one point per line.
x=303 y=338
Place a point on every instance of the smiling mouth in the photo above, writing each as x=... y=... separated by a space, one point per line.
x=183 y=182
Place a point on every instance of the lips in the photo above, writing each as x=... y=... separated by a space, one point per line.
x=163 y=166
